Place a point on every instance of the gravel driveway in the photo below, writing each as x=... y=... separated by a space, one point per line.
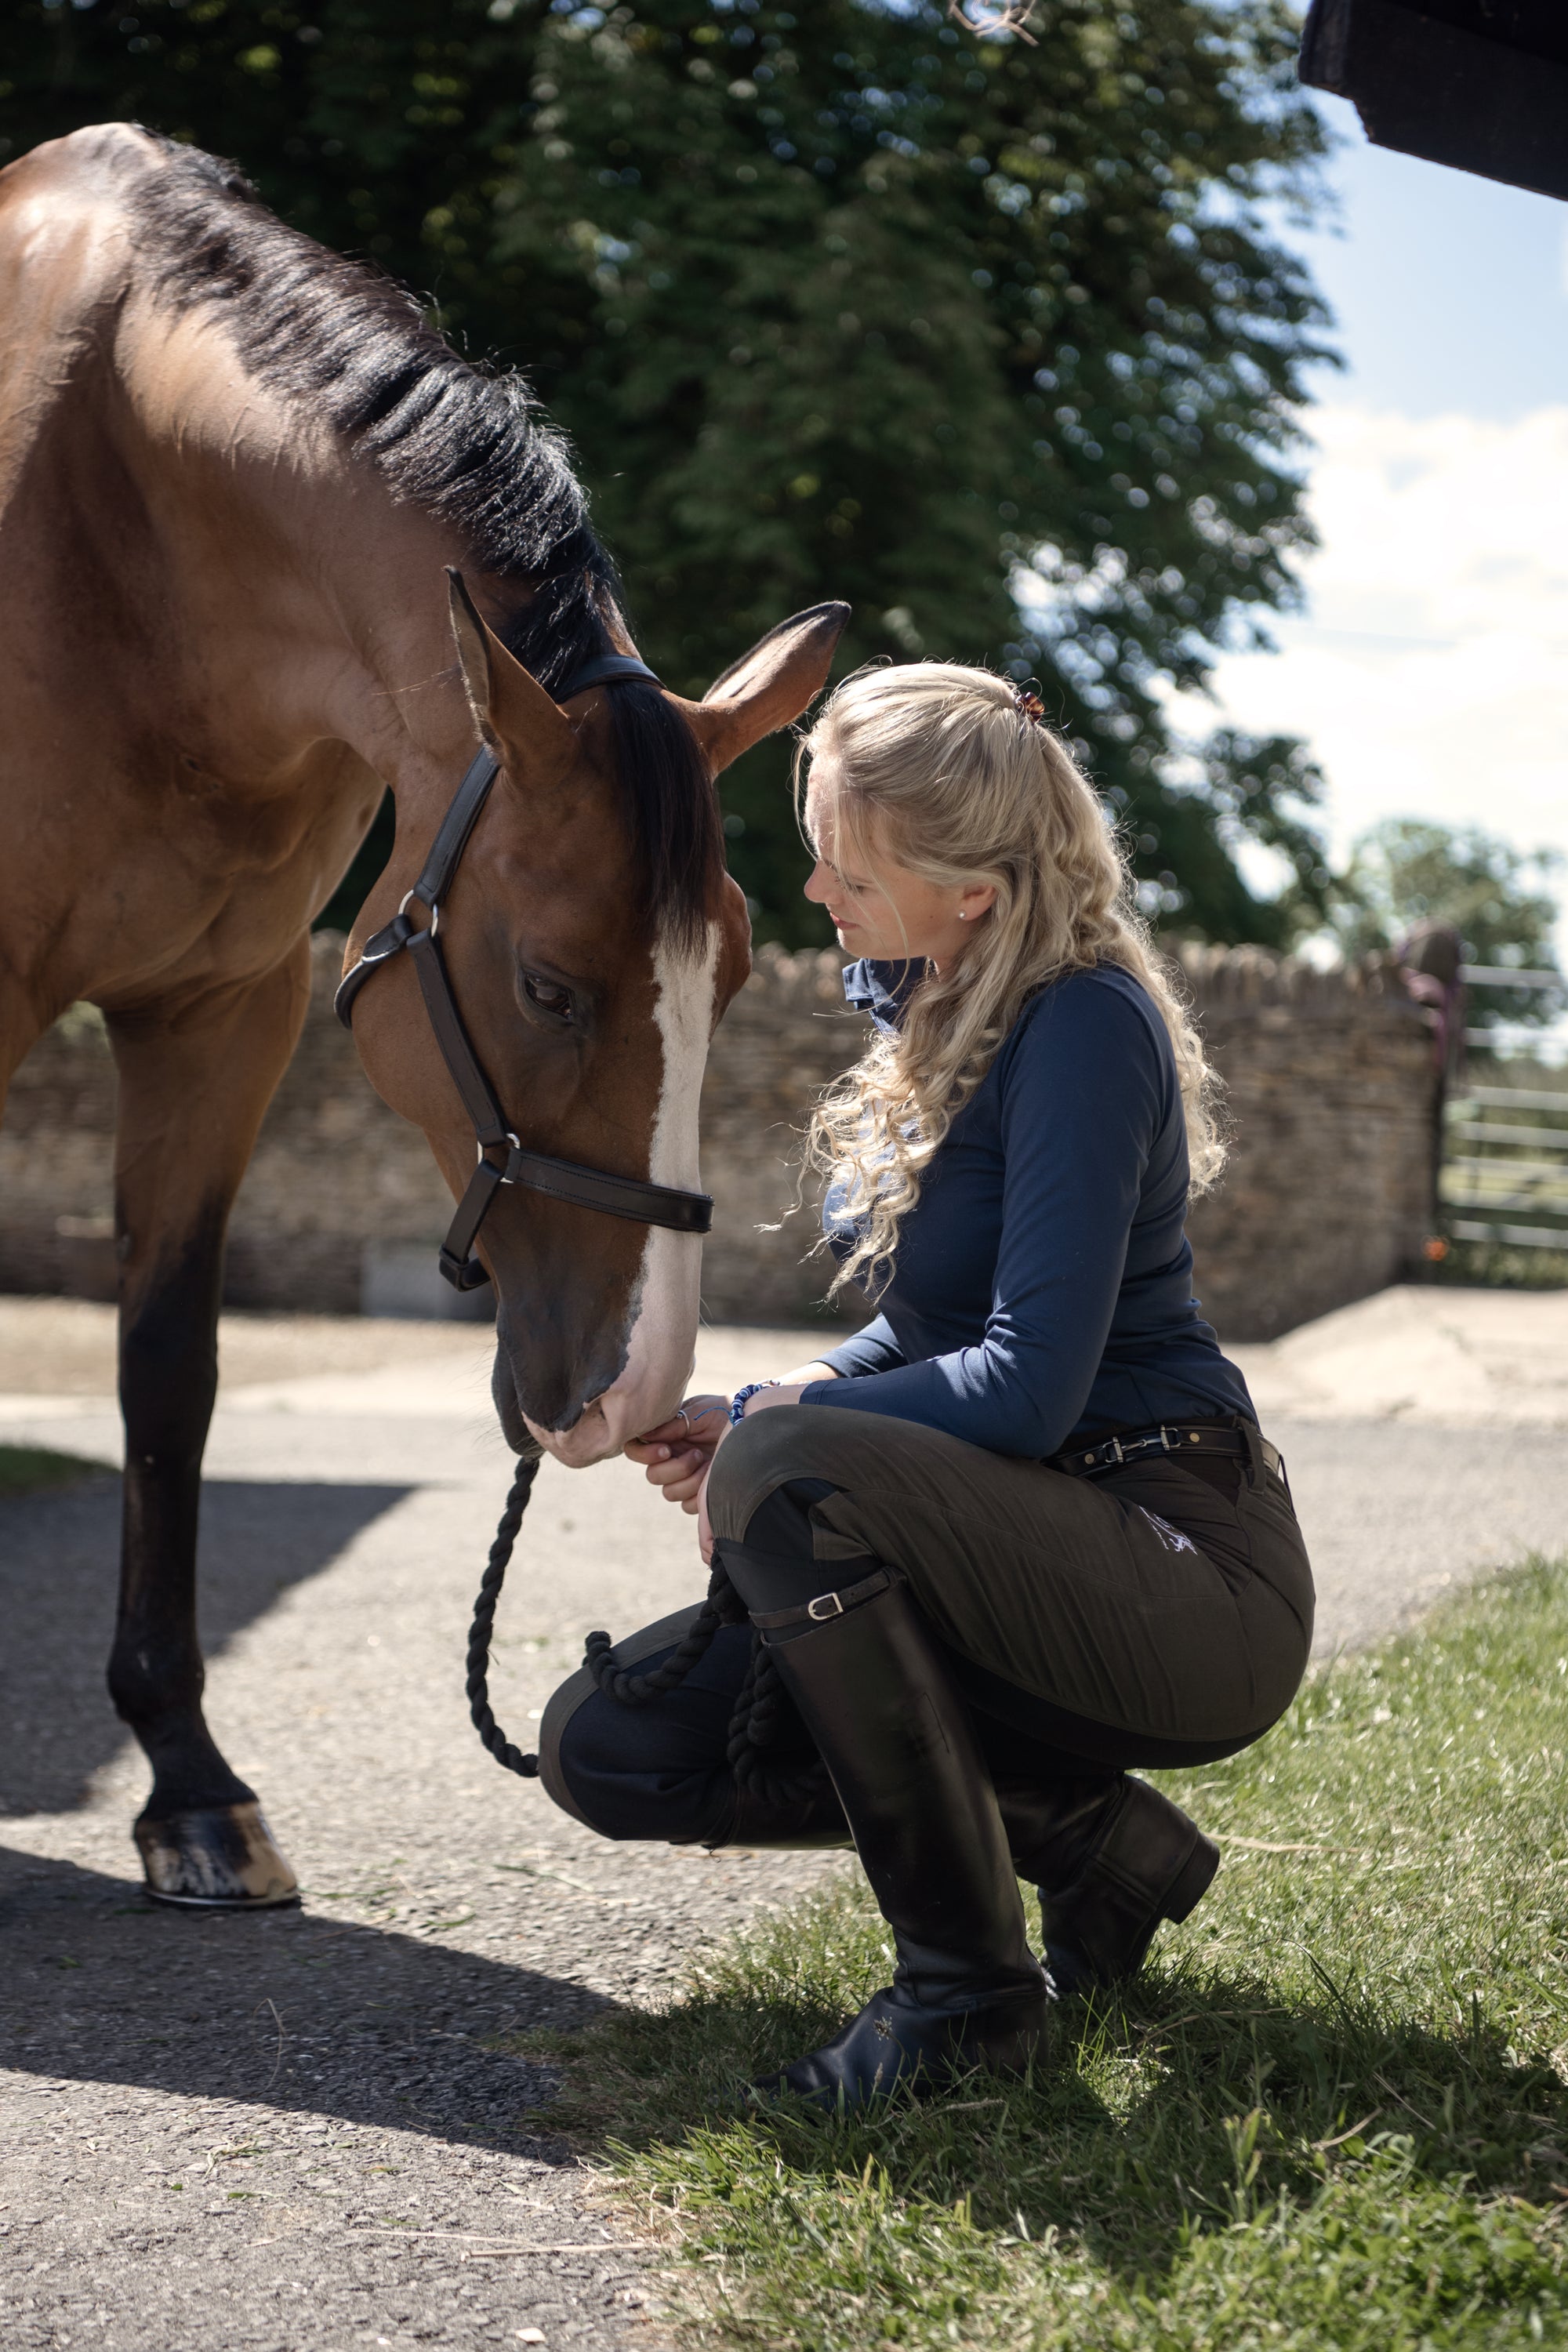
x=305 y=2129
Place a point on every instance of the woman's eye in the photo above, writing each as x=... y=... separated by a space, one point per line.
x=548 y=995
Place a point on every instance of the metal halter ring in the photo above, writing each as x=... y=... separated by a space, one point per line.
x=434 y=912
x=481 y=1149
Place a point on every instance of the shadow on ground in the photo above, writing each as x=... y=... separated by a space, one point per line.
x=59 y=1557
x=298 y=2014
x=1190 y=2101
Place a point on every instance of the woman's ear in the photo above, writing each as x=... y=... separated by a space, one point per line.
x=976 y=899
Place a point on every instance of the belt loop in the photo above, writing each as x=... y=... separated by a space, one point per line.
x=1252 y=1437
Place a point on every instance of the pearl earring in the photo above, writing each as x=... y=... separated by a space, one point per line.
x=961 y=916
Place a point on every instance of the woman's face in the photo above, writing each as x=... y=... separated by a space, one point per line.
x=881 y=910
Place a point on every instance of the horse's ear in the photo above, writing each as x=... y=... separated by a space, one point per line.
x=513 y=715
x=770 y=685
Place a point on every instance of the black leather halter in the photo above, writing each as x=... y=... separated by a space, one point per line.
x=502 y=1159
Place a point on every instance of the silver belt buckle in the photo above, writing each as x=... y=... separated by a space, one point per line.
x=825 y=1606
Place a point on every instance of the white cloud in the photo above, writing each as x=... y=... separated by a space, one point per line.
x=1431 y=678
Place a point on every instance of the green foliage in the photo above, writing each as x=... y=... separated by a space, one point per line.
x=30 y=1469
x=1501 y=1265
x=1406 y=870
x=1331 y=2113
x=991 y=338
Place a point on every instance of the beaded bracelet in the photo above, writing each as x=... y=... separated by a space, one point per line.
x=742 y=1398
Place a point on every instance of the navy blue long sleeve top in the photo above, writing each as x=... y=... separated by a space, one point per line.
x=1042 y=1288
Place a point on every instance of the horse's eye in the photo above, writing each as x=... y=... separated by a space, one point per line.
x=548 y=995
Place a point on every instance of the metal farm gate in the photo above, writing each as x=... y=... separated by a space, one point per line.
x=1504 y=1170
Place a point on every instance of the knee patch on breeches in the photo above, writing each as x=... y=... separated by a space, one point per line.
x=782 y=1524
x=776 y=1564
x=768 y=1451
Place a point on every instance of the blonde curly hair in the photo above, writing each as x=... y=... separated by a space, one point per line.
x=940 y=768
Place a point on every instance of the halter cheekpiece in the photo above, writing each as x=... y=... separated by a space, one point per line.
x=501 y=1159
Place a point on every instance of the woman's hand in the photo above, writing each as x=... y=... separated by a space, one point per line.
x=678 y=1453
x=758 y=1404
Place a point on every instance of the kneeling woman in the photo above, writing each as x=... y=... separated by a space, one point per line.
x=1021 y=1531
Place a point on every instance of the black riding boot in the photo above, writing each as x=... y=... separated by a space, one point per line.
x=875 y=1696
x=808 y=1820
x=1111 y=1858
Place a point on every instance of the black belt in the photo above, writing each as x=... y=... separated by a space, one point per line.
x=1221 y=1438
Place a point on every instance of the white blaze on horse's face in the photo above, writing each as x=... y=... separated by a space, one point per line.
x=665 y=1301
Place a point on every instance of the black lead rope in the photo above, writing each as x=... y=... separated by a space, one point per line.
x=482 y=1714
x=754 y=1727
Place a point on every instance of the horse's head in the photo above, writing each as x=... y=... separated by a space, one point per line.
x=593 y=939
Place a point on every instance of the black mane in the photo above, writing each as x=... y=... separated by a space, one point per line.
x=474 y=449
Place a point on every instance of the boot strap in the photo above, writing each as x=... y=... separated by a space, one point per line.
x=827 y=1605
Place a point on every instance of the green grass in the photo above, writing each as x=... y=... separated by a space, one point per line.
x=1332 y=2113
x=27 y=1469
x=1503 y=1265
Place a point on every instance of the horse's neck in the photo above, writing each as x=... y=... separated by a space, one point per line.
x=173 y=788
x=397 y=695
x=315 y=602
x=372 y=607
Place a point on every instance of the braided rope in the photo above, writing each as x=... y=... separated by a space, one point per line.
x=723 y=1607
x=479 y=1709
x=760 y=1712
x=760 y=1705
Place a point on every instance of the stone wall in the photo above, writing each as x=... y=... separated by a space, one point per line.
x=1331 y=1096
x=1332 y=1107
x=1329 y=1099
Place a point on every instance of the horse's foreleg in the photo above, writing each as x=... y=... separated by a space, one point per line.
x=193 y=1085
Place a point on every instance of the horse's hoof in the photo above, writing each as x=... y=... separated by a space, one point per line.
x=219 y=1859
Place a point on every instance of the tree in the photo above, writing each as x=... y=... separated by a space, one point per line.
x=989 y=338
x=1405 y=871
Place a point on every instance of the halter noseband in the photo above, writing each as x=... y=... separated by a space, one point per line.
x=502 y=1159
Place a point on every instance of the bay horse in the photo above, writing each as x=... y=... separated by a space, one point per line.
x=237 y=473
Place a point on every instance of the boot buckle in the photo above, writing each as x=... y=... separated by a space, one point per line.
x=825 y=1605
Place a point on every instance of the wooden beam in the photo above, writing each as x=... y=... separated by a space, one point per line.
x=1478 y=84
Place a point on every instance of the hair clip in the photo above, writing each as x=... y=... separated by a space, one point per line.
x=1027 y=698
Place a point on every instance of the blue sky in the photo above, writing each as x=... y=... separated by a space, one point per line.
x=1430 y=670
x=1451 y=292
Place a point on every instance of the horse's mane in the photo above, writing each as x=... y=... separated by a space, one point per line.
x=472 y=446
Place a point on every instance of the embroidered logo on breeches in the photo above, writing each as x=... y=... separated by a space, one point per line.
x=1172 y=1538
